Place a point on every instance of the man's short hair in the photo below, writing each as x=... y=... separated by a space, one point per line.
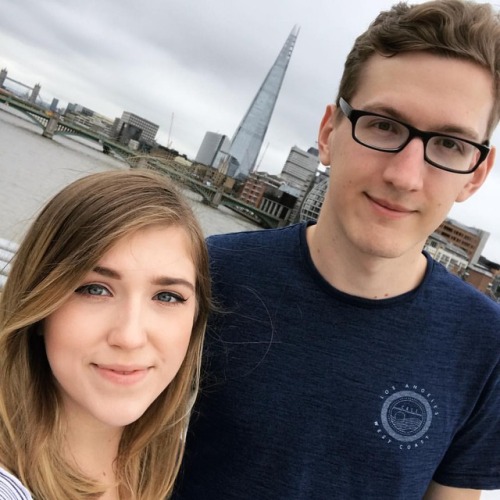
x=449 y=28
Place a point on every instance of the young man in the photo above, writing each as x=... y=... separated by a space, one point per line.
x=346 y=364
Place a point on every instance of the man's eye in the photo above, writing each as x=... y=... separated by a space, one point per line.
x=448 y=143
x=93 y=289
x=383 y=125
x=388 y=126
x=169 y=297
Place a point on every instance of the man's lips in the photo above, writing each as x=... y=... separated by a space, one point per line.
x=390 y=206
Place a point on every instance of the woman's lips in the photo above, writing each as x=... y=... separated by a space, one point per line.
x=122 y=375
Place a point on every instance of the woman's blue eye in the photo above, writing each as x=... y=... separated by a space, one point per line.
x=169 y=297
x=93 y=289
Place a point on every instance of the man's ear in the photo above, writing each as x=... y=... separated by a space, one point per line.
x=325 y=129
x=478 y=177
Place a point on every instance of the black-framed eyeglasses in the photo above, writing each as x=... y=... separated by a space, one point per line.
x=446 y=152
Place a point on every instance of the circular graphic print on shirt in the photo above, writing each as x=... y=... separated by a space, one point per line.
x=406 y=416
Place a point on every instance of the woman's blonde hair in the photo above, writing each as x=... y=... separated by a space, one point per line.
x=64 y=243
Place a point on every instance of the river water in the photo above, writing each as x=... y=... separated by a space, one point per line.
x=33 y=169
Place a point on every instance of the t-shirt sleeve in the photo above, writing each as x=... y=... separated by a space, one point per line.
x=11 y=488
x=473 y=458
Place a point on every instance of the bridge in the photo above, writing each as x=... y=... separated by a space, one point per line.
x=31 y=92
x=54 y=124
x=211 y=195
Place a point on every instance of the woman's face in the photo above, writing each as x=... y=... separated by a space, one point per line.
x=120 y=338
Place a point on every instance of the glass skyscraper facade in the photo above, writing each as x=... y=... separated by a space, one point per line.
x=249 y=136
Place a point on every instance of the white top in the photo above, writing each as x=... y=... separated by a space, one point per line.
x=11 y=488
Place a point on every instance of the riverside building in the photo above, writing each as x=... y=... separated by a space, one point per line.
x=299 y=172
x=133 y=127
x=213 y=149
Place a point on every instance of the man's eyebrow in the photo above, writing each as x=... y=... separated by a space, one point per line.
x=447 y=128
x=160 y=280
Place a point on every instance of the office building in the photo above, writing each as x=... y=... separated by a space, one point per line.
x=300 y=168
x=132 y=127
x=213 y=149
x=249 y=136
x=256 y=185
x=269 y=194
x=87 y=118
x=454 y=258
x=470 y=239
x=299 y=172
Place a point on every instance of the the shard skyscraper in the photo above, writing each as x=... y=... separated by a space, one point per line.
x=249 y=136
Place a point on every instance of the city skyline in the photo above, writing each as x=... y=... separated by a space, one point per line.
x=200 y=66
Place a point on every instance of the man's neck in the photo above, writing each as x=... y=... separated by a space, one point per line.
x=363 y=275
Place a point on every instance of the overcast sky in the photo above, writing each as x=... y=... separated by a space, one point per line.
x=194 y=66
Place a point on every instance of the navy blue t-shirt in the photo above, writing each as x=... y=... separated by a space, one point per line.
x=310 y=393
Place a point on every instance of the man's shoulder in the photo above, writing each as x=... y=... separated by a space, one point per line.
x=460 y=292
x=457 y=302
x=265 y=255
x=255 y=240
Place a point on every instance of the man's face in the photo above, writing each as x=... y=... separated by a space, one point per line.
x=386 y=204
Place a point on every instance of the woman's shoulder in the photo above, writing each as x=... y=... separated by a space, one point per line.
x=11 y=488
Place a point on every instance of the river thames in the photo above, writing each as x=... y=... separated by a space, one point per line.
x=33 y=169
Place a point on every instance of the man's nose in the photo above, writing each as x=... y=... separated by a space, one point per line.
x=405 y=169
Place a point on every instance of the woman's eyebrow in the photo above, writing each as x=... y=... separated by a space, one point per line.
x=160 y=280
x=169 y=280
x=106 y=271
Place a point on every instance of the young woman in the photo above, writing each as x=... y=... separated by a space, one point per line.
x=101 y=328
